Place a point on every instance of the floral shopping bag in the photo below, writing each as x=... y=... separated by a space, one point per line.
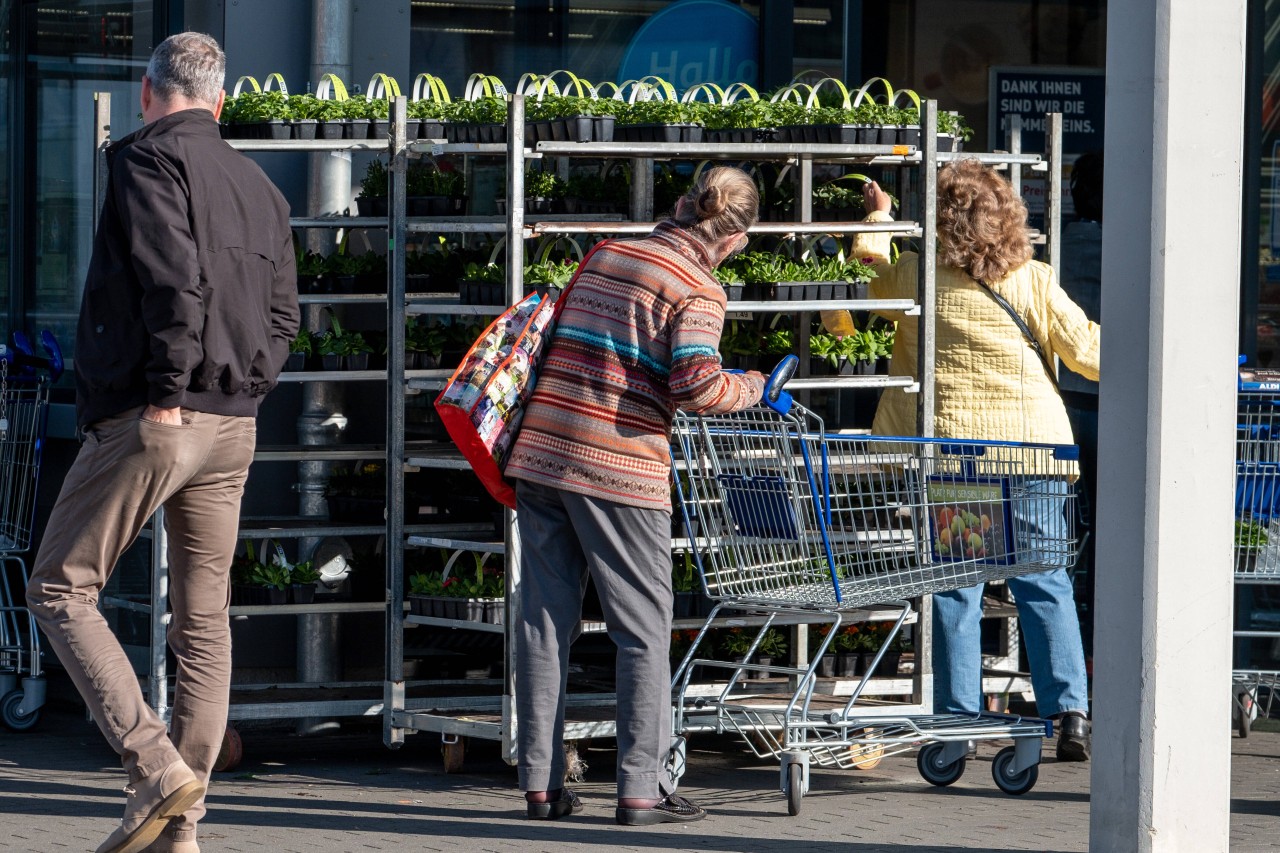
x=483 y=402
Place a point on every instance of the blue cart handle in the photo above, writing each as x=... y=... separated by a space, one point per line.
x=774 y=395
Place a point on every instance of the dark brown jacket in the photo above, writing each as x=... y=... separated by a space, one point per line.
x=191 y=297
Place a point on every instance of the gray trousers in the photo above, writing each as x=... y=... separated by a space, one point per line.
x=563 y=537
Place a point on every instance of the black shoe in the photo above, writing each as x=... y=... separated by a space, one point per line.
x=1073 y=737
x=673 y=809
x=566 y=804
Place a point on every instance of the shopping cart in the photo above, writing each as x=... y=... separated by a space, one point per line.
x=792 y=521
x=1256 y=561
x=25 y=379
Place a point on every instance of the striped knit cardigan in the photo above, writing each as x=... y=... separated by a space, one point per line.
x=637 y=339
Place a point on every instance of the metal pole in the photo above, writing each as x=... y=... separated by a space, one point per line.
x=515 y=287
x=320 y=634
x=394 y=698
x=1053 y=202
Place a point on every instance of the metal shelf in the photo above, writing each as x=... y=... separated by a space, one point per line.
x=349 y=375
x=791 y=152
x=286 y=145
x=331 y=452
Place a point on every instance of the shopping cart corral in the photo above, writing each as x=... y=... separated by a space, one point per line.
x=791 y=520
x=24 y=403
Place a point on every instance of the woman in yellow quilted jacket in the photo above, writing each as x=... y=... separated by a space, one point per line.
x=992 y=384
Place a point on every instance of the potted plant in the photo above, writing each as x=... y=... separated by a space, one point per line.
x=548 y=279
x=273 y=577
x=736 y=643
x=302 y=579
x=773 y=646
x=426 y=594
x=481 y=284
x=543 y=191
x=372 y=200
x=331 y=118
x=258 y=115
x=304 y=114
x=777 y=345
x=849 y=644
x=430 y=115
x=244 y=589
x=310 y=272
x=299 y=351
x=682 y=641
x=731 y=282
x=423 y=344
x=827 y=661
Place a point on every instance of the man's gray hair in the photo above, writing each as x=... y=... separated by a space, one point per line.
x=188 y=64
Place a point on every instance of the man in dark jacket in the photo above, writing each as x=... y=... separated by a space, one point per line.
x=188 y=310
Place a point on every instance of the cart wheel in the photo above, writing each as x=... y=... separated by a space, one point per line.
x=231 y=753
x=453 y=753
x=14 y=719
x=1015 y=784
x=929 y=763
x=866 y=756
x=795 y=788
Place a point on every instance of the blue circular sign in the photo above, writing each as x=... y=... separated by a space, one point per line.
x=695 y=41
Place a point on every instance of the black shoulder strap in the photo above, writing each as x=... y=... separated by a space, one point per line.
x=1031 y=339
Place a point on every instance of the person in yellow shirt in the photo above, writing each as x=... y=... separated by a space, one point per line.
x=991 y=383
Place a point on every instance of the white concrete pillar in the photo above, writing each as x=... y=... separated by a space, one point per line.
x=1170 y=272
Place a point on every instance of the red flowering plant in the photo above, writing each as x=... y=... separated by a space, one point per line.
x=853 y=639
x=817 y=634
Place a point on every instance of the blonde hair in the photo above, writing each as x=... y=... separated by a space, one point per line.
x=723 y=200
x=981 y=222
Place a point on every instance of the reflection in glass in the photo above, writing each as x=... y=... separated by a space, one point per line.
x=74 y=50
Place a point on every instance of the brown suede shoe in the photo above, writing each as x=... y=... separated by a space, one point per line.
x=166 y=843
x=153 y=802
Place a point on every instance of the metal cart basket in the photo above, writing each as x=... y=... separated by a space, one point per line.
x=1256 y=563
x=24 y=401
x=790 y=520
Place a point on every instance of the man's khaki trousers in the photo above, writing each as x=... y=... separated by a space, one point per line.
x=125 y=470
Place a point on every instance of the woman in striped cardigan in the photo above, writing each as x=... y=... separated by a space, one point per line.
x=637 y=338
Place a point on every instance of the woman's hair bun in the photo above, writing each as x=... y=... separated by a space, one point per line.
x=710 y=202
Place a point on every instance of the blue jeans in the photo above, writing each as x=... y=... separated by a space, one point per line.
x=1046 y=613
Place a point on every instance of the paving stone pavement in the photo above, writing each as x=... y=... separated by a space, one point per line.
x=343 y=793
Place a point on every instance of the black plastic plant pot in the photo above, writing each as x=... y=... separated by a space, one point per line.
x=370 y=282
x=494 y=609
x=670 y=133
x=498 y=133
x=819 y=367
x=602 y=128
x=825 y=291
x=371 y=205
x=859 y=290
x=438 y=205
x=691 y=133
x=430 y=129
x=412 y=360
x=278 y=129
x=306 y=283
x=379 y=128
x=909 y=135
x=331 y=129
x=411 y=126
x=457 y=205
x=540 y=206
x=341 y=283
x=559 y=129
x=358 y=362
x=303 y=593
x=277 y=596
x=303 y=128
x=946 y=142
x=812 y=290
x=579 y=128
x=296 y=361
x=868 y=134
x=734 y=292
x=882 y=366
x=357 y=128
x=888 y=135
x=684 y=604
x=762 y=291
x=839 y=291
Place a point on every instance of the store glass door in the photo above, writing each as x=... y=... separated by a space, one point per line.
x=71 y=50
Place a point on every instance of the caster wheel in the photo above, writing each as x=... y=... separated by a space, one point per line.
x=231 y=753
x=14 y=719
x=1010 y=783
x=795 y=788
x=929 y=763
x=866 y=756
x=453 y=753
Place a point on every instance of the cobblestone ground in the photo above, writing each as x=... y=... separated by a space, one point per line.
x=60 y=791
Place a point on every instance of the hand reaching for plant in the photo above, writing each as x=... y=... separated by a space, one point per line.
x=875 y=198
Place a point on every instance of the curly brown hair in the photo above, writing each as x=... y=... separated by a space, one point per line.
x=982 y=224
